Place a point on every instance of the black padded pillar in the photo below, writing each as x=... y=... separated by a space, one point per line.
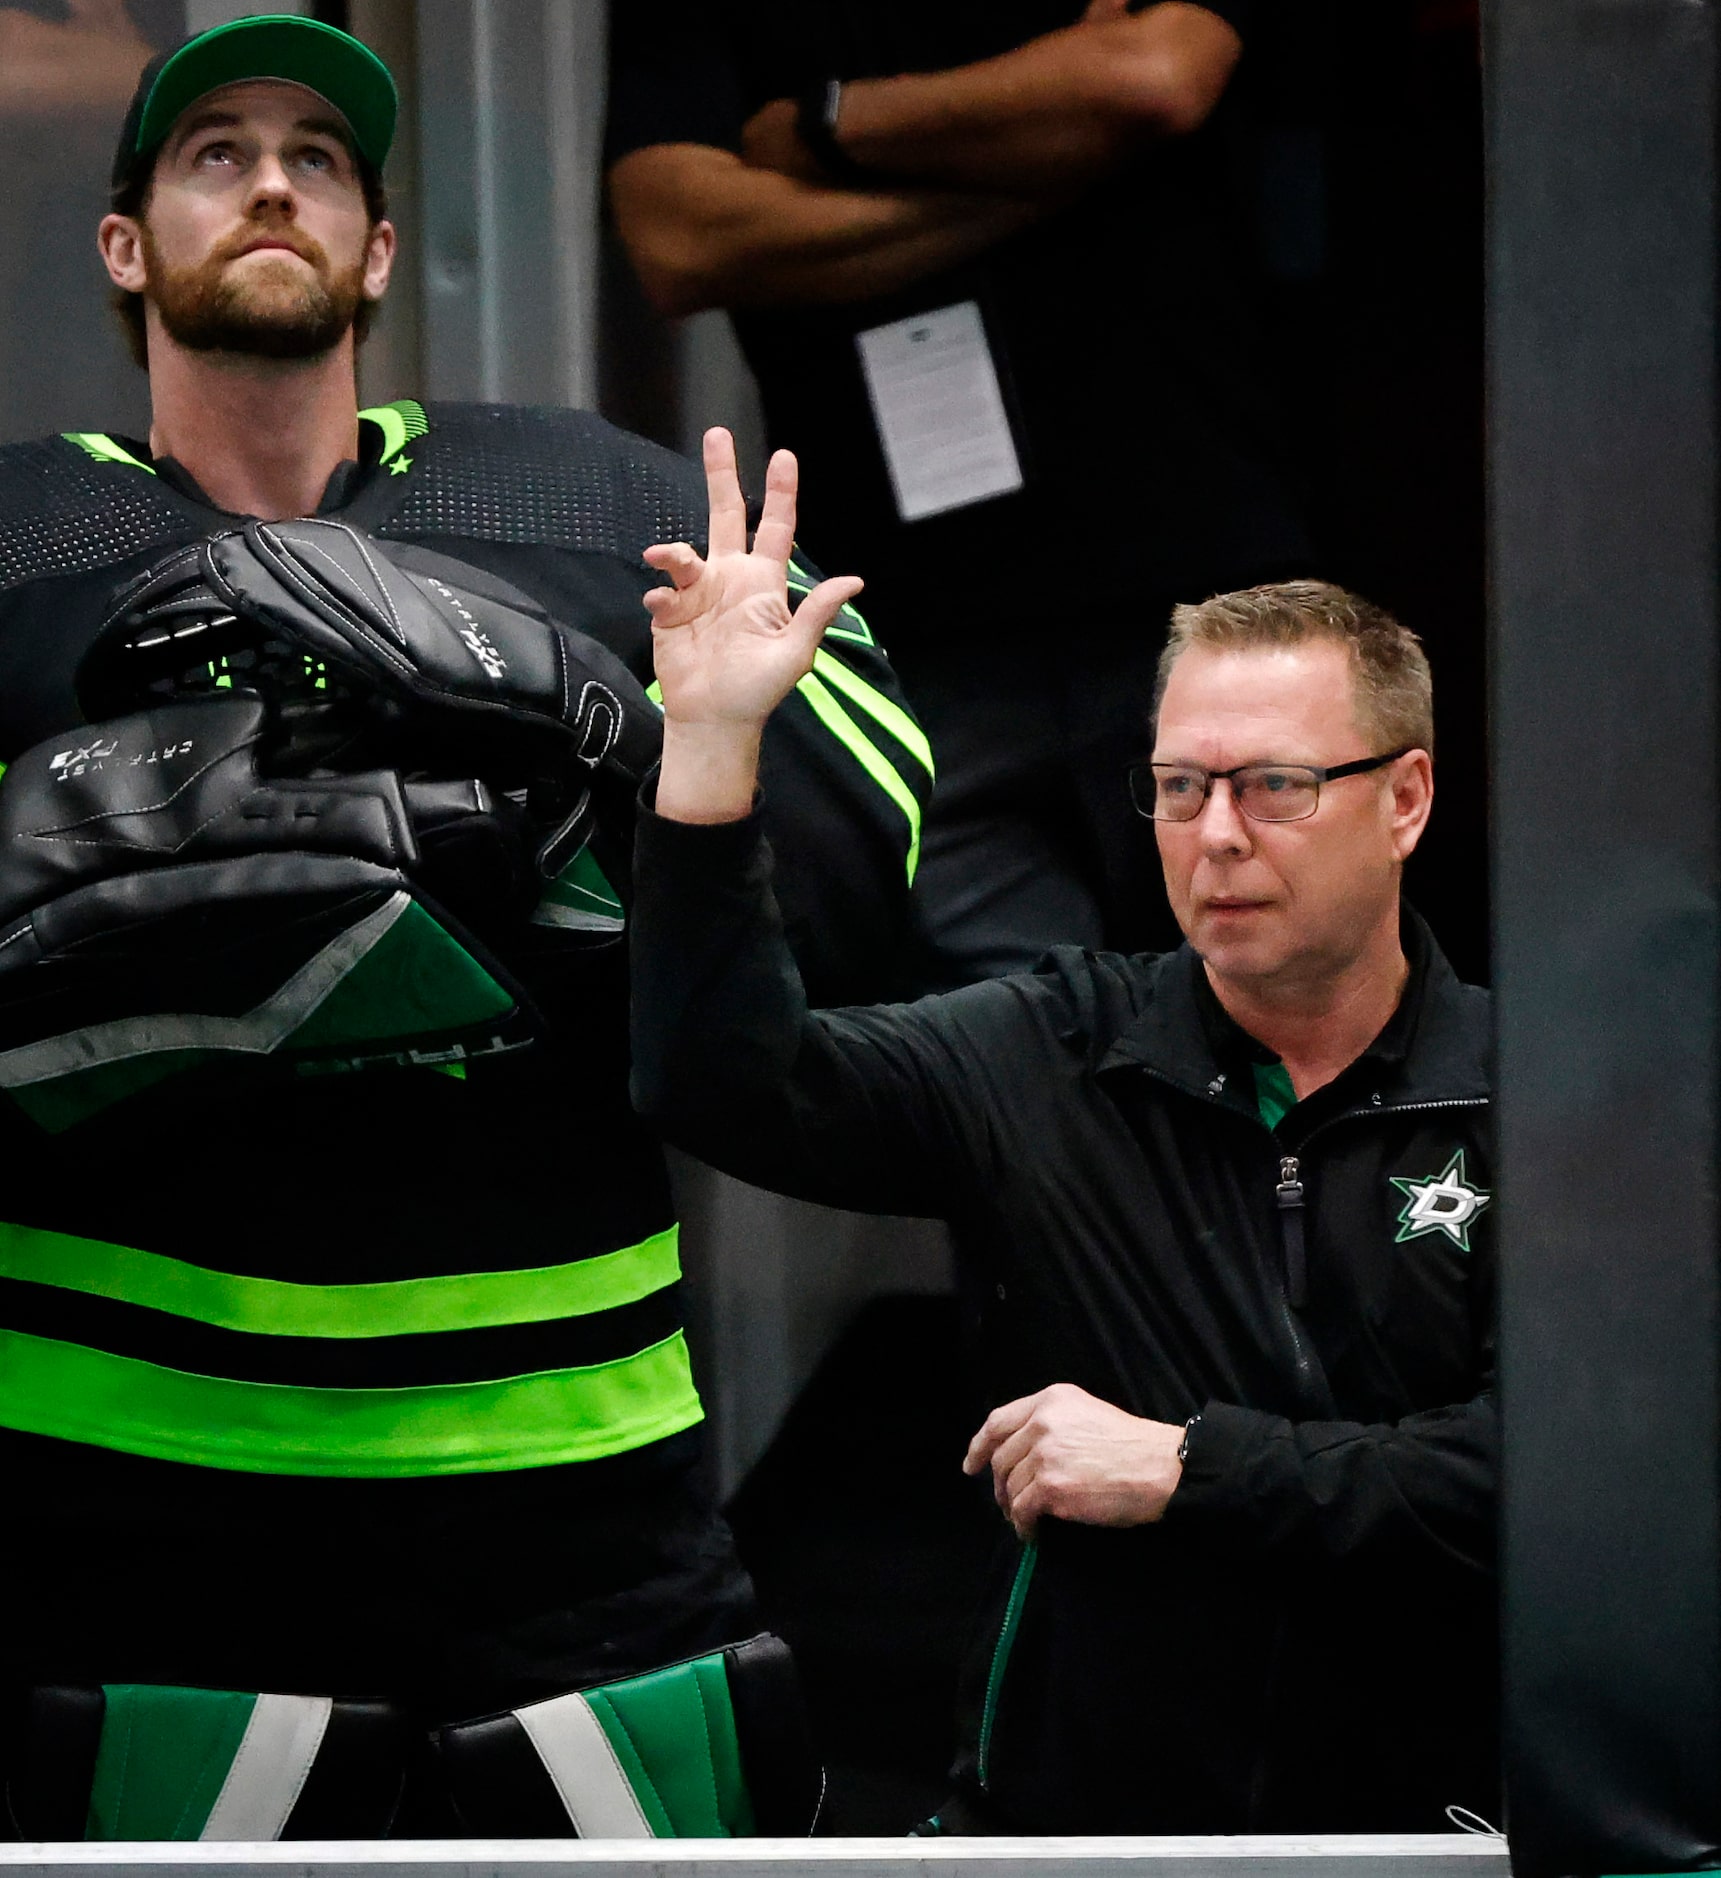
x=1603 y=442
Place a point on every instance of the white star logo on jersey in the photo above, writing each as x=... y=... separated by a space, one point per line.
x=1444 y=1202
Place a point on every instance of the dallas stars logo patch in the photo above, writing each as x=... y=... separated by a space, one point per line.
x=1443 y=1202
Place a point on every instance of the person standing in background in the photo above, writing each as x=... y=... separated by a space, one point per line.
x=965 y=249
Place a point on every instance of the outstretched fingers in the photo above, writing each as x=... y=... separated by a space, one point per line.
x=822 y=605
x=805 y=627
x=775 y=535
x=728 y=527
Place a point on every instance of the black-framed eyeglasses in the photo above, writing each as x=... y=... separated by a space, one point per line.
x=1265 y=792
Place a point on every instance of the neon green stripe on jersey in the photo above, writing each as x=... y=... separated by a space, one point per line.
x=860 y=634
x=874 y=702
x=399 y=423
x=542 y=1420
x=103 y=449
x=857 y=629
x=848 y=733
x=411 y=1307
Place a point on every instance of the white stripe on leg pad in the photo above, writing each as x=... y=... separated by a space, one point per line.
x=263 y=1784
x=579 y=1759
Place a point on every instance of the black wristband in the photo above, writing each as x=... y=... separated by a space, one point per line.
x=816 y=123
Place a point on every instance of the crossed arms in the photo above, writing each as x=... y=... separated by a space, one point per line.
x=962 y=159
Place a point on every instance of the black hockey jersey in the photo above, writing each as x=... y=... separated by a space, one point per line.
x=438 y=1304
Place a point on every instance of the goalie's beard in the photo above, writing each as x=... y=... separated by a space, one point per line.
x=271 y=311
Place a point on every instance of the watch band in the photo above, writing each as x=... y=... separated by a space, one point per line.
x=1183 y=1445
x=816 y=113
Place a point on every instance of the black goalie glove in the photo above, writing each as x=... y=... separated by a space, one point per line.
x=323 y=785
x=166 y=908
x=374 y=656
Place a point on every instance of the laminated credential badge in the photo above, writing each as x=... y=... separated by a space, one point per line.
x=939 y=411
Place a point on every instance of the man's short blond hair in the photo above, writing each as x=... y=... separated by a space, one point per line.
x=1394 y=691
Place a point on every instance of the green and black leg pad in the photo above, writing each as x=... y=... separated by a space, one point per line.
x=714 y=1748
x=140 y=1761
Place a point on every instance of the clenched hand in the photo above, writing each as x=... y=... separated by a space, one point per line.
x=1065 y=1453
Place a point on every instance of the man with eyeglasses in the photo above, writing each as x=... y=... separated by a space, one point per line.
x=1231 y=1207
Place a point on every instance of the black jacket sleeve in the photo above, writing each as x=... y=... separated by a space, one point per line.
x=1328 y=1490
x=867 y=1108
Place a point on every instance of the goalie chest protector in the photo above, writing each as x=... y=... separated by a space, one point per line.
x=417 y=1268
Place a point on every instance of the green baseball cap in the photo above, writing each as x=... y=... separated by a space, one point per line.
x=265 y=45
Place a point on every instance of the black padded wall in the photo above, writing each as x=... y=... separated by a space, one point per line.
x=1603 y=460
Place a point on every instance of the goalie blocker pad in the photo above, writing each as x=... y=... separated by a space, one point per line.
x=393 y=655
x=133 y=1761
x=163 y=908
x=712 y=1748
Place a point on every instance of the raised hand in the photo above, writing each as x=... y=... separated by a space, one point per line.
x=728 y=649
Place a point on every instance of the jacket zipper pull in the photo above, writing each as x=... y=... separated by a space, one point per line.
x=1290 y=1197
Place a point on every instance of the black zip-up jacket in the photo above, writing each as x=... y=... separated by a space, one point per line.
x=1306 y=1640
